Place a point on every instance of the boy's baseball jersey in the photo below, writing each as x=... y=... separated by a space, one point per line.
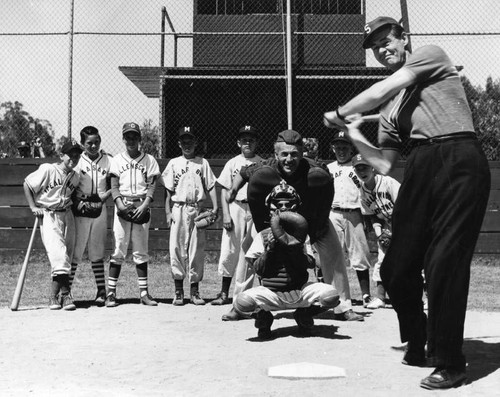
x=52 y=187
x=188 y=180
x=93 y=180
x=135 y=175
x=380 y=201
x=347 y=185
x=239 y=210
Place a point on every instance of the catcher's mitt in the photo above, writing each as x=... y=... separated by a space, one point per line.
x=128 y=213
x=90 y=207
x=205 y=219
x=385 y=238
x=289 y=228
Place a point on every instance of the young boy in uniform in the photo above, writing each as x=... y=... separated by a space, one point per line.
x=133 y=182
x=237 y=219
x=48 y=191
x=89 y=208
x=346 y=215
x=378 y=195
x=187 y=180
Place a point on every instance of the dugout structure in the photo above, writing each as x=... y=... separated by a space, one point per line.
x=238 y=75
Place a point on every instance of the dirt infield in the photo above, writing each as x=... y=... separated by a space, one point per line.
x=135 y=350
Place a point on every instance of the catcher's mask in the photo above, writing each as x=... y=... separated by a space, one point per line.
x=283 y=198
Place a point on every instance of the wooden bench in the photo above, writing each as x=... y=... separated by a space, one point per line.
x=16 y=220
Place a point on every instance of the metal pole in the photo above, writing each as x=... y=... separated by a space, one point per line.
x=162 y=56
x=406 y=21
x=289 y=62
x=70 y=79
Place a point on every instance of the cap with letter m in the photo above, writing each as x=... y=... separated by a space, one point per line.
x=248 y=130
x=131 y=127
x=341 y=136
x=186 y=131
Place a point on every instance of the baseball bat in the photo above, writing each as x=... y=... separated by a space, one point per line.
x=22 y=275
x=371 y=118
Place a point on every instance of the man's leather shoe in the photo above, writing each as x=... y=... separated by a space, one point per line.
x=444 y=379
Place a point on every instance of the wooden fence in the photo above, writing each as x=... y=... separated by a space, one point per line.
x=16 y=220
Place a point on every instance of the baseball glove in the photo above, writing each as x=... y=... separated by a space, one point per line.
x=90 y=207
x=128 y=213
x=205 y=219
x=289 y=228
x=385 y=238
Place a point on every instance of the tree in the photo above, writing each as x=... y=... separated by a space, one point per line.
x=17 y=125
x=150 y=138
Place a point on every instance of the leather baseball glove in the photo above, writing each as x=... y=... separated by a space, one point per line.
x=289 y=228
x=128 y=215
x=205 y=219
x=90 y=207
x=385 y=238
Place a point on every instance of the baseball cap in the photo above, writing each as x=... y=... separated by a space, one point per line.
x=358 y=159
x=373 y=26
x=23 y=144
x=248 y=130
x=341 y=136
x=70 y=146
x=290 y=136
x=131 y=127
x=186 y=131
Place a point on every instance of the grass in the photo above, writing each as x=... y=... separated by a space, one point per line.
x=483 y=293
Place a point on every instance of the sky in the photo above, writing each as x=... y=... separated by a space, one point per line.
x=34 y=70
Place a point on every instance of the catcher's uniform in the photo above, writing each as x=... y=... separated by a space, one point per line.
x=379 y=203
x=135 y=177
x=284 y=277
x=52 y=189
x=187 y=180
x=346 y=215
x=231 y=255
x=94 y=180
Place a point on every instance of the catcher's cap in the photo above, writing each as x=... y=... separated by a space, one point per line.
x=283 y=197
x=131 y=127
x=373 y=26
x=358 y=160
x=248 y=130
x=70 y=146
x=290 y=136
x=183 y=131
x=23 y=144
x=341 y=136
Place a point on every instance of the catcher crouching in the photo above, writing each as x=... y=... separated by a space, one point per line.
x=281 y=256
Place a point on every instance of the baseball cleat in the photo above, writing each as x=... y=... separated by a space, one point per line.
x=221 y=299
x=100 y=298
x=111 y=300
x=179 y=298
x=444 y=379
x=54 y=303
x=349 y=315
x=148 y=300
x=67 y=302
x=196 y=299
x=375 y=303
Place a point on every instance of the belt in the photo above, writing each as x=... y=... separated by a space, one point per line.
x=57 y=210
x=345 y=209
x=458 y=136
x=134 y=199
x=242 y=201
x=195 y=205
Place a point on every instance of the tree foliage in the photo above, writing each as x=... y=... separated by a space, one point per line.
x=485 y=106
x=17 y=125
x=150 y=138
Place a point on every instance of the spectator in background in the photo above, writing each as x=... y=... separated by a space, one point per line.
x=24 y=149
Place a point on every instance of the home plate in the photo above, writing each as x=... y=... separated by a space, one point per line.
x=305 y=370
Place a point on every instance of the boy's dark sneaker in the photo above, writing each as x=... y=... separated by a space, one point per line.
x=67 y=302
x=148 y=300
x=100 y=298
x=54 y=303
x=111 y=300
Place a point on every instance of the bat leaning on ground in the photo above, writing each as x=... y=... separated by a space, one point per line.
x=22 y=275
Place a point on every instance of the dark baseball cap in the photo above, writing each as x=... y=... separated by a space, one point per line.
x=341 y=136
x=373 y=26
x=131 y=127
x=291 y=137
x=23 y=144
x=248 y=130
x=358 y=159
x=70 y=146
x=183 y=131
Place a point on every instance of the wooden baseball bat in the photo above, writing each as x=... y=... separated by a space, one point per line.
x=371 y=118
x=22 y=275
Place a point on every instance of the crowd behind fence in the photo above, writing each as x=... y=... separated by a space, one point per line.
x=61 y=59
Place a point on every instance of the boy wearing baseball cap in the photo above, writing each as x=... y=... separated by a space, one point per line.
x=346 y=215
x=237 y=219
x=188 y=180
x=48 y=191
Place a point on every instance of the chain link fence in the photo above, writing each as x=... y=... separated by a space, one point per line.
x=217 y=65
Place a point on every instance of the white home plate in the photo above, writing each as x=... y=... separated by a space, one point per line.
x=306 y=370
